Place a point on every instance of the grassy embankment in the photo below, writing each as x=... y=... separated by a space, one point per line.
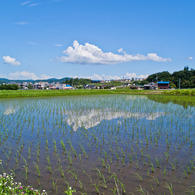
x=45 y=93
x=183 y=100
x=183 y=97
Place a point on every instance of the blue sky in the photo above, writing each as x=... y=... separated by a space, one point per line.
x=95 y=39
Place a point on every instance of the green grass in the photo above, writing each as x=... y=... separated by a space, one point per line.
x=190 y=92
x=45 y=93
x=184 y=100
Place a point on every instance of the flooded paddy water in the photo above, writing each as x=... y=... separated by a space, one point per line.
x=109 y=144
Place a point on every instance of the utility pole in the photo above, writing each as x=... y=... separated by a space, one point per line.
x=123 y=81
x=179 y=82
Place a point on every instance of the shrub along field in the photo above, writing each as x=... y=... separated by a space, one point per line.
x=99 y=144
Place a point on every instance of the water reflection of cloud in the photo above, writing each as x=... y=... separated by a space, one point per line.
x=91 y=118
x=9 y=110
x=133 y=98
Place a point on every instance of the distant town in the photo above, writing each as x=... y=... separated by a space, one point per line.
x=70 y=83
x=103 y=84
x=163 y=80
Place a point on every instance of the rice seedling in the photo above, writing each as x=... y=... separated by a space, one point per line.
x=73 y=150
x=55 y=147
x=74 y=174
x=167 y=155
x=169 y=187
x=130 y=158
x=96 y=188
x=164 y=173
x=185 y=174
x=139 y=177
x=190 y=191
x=63 y=146
x=156 y=180
x=84 y=152
x=37 y=168
x=109 y=168
x=140 y=190
x=70 y=159
x=173 y=166
x=103 y=163
x=69 y=191
x=99 y=173
x=105 y=130
x=104 y=184
x=46 y=145
x=157 y=162
x=152 y=167
x=54 y=184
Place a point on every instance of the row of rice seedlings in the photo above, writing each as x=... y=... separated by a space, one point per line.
x=96 y=140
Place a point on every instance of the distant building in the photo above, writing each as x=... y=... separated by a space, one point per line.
x=68 y=87
x=150 y=86
x=37 y=86
x=106 y=86
x=89 y=86
x=163 y=85
x=138 y=87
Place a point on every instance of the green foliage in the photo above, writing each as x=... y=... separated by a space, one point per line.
x=8 y=186
x=115 y=83
x=69 y=191
x=141 y=82
x=186 y=76
x=164 y=76
x=9 y=87
x=30 y=86
x=76 y=81
x=187 y=92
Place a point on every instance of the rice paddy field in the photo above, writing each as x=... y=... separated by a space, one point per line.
x=105 y=144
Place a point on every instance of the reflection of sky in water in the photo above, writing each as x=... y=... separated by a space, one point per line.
x=91 y=111
x=92 y=118
x=133 y=98
x=10 y=110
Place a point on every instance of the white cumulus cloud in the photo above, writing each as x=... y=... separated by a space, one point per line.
x=21 y=23
x=120 y=50
x=10 y=110
x=10 y=60
x=190 y=58
x=111 y=77
x=91 y=54
x=93 y=117
x=25 y=3
x=103 y=77
x=58 y=45
x=33 y=4
x=26 y=75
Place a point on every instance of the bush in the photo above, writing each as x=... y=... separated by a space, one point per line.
x=9 y=186
x=9 y=87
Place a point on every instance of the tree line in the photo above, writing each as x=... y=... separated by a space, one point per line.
x=9 y=87
x=185 y=78
x=76 y=81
